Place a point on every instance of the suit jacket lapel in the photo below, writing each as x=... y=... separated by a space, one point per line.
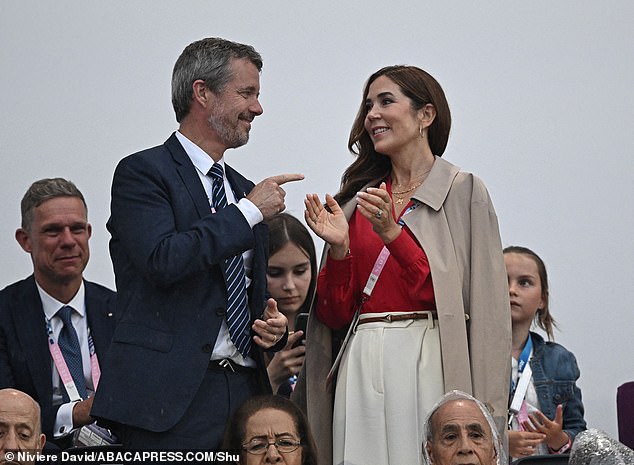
x=99 y=313
x=189 y=175
x=30 y=325
x=239 y=187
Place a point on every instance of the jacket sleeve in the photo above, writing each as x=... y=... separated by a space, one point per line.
x=335 y=291
x=574 y=422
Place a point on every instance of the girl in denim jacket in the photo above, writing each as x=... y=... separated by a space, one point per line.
x=547 y=414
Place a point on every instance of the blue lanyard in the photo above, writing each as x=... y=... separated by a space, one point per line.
x=526 y=352
x=415 y=205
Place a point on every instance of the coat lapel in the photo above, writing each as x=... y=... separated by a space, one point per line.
x=99 y=313
x=189 y=176
x=30 y=325
x=240 y=186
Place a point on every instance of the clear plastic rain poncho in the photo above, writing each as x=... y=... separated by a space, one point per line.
x=594 y=447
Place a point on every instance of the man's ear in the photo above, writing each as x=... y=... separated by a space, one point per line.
x=201 y=93
x=23 y=239
x=430 y=452
x=42 y=440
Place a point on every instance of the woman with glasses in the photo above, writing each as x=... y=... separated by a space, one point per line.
x=270 y=429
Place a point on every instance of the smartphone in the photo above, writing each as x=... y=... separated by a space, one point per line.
x=301 y=320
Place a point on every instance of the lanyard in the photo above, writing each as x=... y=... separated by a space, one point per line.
x=522 y=363
x=375 y=273
x=525 y=373
x=379 y=264
x=62 y=367
x=367 y=291
x=415 y=204
x=382 y=260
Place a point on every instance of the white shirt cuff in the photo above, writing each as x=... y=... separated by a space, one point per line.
x=251 y=213
x=64 y=420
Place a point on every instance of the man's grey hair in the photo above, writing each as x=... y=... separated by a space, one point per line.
x=43 y=190
x=210 y=60
x=428 y=429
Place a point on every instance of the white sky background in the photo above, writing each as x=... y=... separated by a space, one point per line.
x=541 y=94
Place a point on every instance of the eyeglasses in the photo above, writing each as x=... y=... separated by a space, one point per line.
x=260 y=446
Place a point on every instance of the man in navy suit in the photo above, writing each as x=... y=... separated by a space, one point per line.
x=55 y=232
x=178 y=367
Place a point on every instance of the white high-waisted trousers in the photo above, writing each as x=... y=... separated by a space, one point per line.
x=390 y=377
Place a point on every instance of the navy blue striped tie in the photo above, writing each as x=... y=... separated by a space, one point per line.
x=237 y=313
x=71 y=350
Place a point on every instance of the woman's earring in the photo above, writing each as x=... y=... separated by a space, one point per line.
x=420 y=131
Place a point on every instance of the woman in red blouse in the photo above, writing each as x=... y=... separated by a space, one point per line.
x=401 y=215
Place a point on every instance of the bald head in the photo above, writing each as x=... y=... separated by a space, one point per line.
x=20 y=427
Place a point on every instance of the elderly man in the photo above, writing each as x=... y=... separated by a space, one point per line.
x=20 y=427
x=189 y=254
x=460 y=430
x=55 y=327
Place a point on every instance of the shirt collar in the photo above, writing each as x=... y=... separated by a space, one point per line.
x=201 y=160
x=51 y=305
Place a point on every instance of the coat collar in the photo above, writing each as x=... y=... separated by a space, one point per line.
x=435 y=189
x=432 y=192
x=538 y=343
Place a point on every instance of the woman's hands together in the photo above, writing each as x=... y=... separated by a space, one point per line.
x=375 y=204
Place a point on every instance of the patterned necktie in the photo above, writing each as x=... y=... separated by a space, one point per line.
x=69 y=345
x=237 y=313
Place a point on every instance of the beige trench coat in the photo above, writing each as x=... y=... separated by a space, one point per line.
x=458 y=230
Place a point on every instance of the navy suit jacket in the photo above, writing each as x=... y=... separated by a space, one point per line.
x=167 y=250
x=25 y=361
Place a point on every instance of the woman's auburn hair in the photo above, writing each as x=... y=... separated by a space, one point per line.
x=370 y=166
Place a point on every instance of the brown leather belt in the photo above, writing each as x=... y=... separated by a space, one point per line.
x=390 y=317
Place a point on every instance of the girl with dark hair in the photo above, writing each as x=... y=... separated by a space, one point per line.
x=426 y=234
x=291 y=277
x=546 y=407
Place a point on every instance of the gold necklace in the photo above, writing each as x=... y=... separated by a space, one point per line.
x=400 y=200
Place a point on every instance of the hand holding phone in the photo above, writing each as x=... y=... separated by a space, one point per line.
x=301 y=321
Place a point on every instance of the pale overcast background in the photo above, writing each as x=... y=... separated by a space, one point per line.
x=541 y=93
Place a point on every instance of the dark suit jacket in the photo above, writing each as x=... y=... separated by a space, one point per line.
x=25 y=361
x=166 y=248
